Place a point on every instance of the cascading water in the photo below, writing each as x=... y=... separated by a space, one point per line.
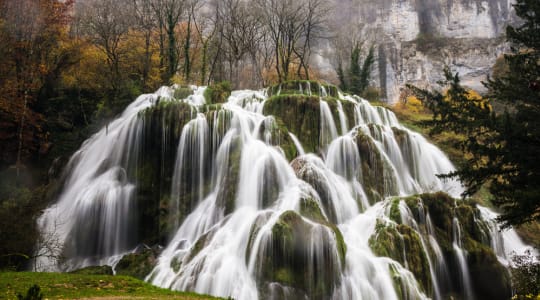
x=462 y=261
x=245 y=222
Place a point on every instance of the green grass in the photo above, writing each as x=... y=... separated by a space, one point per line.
x=77 y=286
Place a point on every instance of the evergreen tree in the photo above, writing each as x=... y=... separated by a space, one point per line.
x=355 y=71
x=358 y=75
x=366 y=70
x=341 y=76
x=504 y=146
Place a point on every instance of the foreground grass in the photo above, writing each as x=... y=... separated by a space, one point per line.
x=75 y=286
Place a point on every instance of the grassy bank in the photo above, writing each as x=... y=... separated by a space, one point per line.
x=75 y=286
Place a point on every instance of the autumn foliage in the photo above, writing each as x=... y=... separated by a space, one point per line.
x=34 y=50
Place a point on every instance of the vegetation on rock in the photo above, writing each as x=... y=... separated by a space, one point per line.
x=288 y=256
x=137 y=265
x=218 y=93
x=503 y=146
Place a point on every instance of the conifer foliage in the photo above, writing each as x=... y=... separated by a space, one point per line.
x=504 y=146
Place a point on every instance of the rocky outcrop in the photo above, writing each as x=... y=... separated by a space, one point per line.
x=401 y=240
x=414 y=40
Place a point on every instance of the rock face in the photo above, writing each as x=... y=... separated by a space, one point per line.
x=415 y=39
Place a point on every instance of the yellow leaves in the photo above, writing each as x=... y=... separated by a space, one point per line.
x=414 y=104
x=83 y=74
x=411 y=105
x=479 y=101
x=529 y=296
x=474 y=97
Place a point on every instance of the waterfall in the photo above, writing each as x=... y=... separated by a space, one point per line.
x=191 y=160
x=328 y=126
x=461 y=259
x=250 y=211
x=506 y=242
x=342 y=119
x=97 y=198
x=297 y=144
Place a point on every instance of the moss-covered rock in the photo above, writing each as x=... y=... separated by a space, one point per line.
x=218 y=92
x=301 y=116
x=404 y=141
x=395 y=214
x=300 y=111
x=289 y=259
x=182 y=92
x=275 y=127
x=310 y=174
x=403 y=244
x=310 y=209
x=161 y=130
x=376 y=173
x=303 y=87
x=94 y=270
x=137 y=265
x=228 y=186
x=490 y=280
x=200 y=244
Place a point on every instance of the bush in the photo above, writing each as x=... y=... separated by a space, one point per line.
x=33 y=293
x=371 y=94
x=218 y=93
x=526 y=276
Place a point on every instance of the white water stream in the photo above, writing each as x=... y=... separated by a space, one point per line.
x=223 y=254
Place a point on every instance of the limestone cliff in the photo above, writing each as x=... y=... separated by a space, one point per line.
x=415 y=39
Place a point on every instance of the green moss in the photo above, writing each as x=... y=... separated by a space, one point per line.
x=218 y=92
x=260 y=221
x=376 y=174
x=302 y=87
x=310 y=209
x=289 y=256
x=162 y=127
x=490 y=280
x=182 y=92
x=404 y=245
x=280 y=136
x=395 y=214
x=397 y=281
x=316 y=180
x=285 y=276
x=300 y=115
x=226 y=196
x=386 y=242
x=137 y=265
x=199 y=245
x=440 y=207
x=94 y=270
x=176 y=264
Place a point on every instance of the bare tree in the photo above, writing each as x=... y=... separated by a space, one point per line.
x=205 y=29
x=314 y=25
x=168 y=14
x=49 y=248
x=107 y=22
x=293 y=27
x=193 y=7
x=146 y=21
x=24 y=24
x=239 y=31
